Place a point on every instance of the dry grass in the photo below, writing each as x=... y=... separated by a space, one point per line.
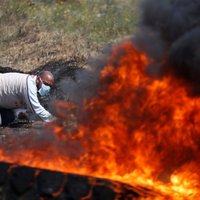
x=32 y=35
x=39 y=47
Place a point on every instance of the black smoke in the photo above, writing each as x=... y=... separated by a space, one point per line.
x=170 y=33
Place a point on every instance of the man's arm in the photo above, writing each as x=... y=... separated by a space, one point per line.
x=33 y=103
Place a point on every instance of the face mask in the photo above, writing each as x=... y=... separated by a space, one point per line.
x=44 y=90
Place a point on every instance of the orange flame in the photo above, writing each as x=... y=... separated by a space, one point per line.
x=137 y=130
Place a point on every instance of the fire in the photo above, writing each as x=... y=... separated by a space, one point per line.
x=137 y=130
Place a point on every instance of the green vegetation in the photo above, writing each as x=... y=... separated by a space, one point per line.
x=97 y=20
x=34 y=32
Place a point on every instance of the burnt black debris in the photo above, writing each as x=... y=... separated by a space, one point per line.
x=169 y=33
x=8 y=69
x=25 y=183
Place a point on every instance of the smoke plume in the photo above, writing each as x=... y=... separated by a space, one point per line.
x=170 y=33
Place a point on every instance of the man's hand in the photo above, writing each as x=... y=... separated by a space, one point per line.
x=52 y=118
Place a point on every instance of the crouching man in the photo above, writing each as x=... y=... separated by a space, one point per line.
x=20 y=91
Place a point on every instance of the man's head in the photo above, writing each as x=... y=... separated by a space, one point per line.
x=47 y=78
x=45 y=81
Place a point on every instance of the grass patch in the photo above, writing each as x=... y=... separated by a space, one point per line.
x=34 y=32
x=99 y=21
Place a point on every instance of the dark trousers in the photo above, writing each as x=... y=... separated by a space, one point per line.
x=7 y=116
